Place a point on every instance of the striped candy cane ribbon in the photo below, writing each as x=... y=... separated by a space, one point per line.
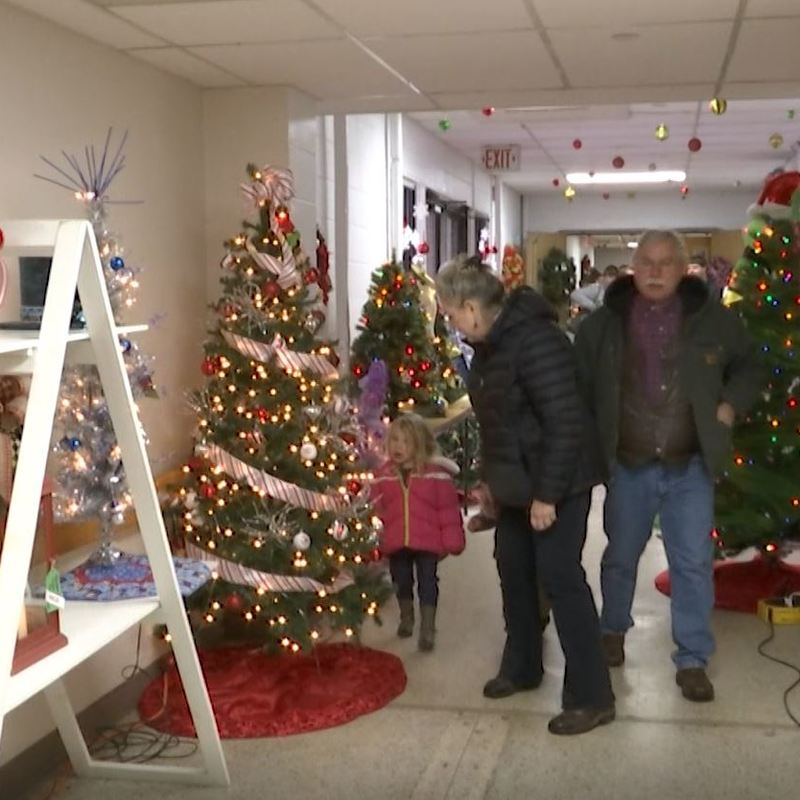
x=270 y=582
x=288 y=359
x=274 y=487
x=275 y=185
x=285 y=269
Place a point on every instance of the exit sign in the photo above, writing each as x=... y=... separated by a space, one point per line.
x=504 y=158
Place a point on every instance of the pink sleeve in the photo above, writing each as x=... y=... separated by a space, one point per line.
x=450 y=520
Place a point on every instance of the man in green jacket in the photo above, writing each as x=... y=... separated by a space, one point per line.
x=665 y=369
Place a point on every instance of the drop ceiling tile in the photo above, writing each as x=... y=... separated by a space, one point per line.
x=230 y=21
x=767 y=50
x=470 y=62
x=762 y=9
x=330 y=69
x=622 y=14
x=370 y=18
x=88 y=20
x=186 y=65
x=659 y=55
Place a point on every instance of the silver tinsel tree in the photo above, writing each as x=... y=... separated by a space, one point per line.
x=90 y=474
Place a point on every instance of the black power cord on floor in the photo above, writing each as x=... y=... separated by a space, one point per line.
x=784 y=664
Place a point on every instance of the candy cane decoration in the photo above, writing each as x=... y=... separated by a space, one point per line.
x=270 y=582
x=273 y=184
x=288 y=359
x=285 y=271
x=269 y=484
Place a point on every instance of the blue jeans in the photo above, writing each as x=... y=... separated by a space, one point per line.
x=401 y=567
x=683 y=497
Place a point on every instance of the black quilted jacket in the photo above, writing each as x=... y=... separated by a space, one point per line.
x=537 y=440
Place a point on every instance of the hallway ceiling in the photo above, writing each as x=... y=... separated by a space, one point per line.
x=606 y=72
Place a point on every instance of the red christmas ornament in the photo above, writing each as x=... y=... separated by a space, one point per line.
x=348 y=438
x=684 y=190
x=423 y=248
x=618 y=162
x=556 y=182
x=311 y=276
x=209 y=366
x=270 y=290
x=606 y=195
x=262 y=414
x=376 y=554
x=354 y=487
x=487 y=111
x=577 y=144
x=207 y=490
x=233 y=602
x=358 y=370
x=695 y=144
x=195 y=463
x=284 y=220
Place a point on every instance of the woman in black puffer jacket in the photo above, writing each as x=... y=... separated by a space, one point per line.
x=540 y=459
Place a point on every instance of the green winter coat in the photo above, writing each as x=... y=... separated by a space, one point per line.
x=718 y=361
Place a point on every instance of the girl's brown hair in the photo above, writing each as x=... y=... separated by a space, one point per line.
x=419 y=434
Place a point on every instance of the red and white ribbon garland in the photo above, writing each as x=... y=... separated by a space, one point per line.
x=285 y=269
x=274 y=487
x=288 y=359
x=275 y=185
x=270 y=582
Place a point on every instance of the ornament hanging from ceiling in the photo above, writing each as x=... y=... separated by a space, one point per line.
x=577 y=144
x=695 y=144
x=618 y=162
x=790 y=114
x=487 y=111
x=718 y=105
x=556 y=182
x=652 y=166
x=662 y=132
x=684 y=191
x=445 y=124
x=776 y=141
x=569 y=193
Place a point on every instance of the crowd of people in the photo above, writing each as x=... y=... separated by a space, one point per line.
x=643 y=402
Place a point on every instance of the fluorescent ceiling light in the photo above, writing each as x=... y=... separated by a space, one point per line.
x=656 y=176
x=632 y=245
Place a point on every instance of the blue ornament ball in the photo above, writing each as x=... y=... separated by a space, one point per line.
x=72 y=442
x=125 y=344
x=116 y=263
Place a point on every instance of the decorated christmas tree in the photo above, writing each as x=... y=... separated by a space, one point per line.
x=758 y=500
x=400 y=326
x=557 y=277
x=275 y=494
x=89 y=468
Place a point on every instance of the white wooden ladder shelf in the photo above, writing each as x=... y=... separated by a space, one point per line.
x=88 y=626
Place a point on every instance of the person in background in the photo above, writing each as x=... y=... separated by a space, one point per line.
x=588 y=298
x=665 y=369
x=414 y=496
x=540 y=460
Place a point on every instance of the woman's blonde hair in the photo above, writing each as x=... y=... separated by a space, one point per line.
x=467 y=278
x=423 y=445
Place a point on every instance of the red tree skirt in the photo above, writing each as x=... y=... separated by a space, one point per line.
x=739 y=585
x=257 y=695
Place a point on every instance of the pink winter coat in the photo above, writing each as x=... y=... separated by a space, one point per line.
x=424 y=515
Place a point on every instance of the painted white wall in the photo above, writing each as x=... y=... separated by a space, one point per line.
x=433 y=163
x=510 y=218
x=368 y=245
x=47 y=108
x=590 y=212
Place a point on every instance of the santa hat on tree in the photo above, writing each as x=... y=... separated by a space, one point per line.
x=775 y=200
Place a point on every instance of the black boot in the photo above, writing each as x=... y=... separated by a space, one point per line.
x=406 y=626
x=427 y=628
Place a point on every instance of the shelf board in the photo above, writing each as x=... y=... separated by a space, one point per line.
x=27 y=341
x=88 y=626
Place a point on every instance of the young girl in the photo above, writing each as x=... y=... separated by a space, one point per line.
x=414 y=495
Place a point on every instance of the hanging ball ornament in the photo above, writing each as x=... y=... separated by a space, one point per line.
x=718 y=106
x=776 y=141
x=339 y=530
x=577 y=144
x=556 y=182
x=116 y=263
x=301 y=541
x=790 y=114
x=606 y=195
x=684 y=191
x=652 y=166
x=209 y=366
x=423 y=248
x=308 y=452
x=662 y=132
x=270 y=290
x=695 y=144
x=618 y=162
x=208 y=490
x=487 y=111
x=445 y=124
x=311 y=276
x=73 y=443
x=233 y=602
x=118 y=517
x=312 y=412
x=569 y=193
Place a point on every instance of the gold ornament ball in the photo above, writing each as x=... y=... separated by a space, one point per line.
x=776 y=141
x=718 y=106
x=569 y=193
x=662 y=132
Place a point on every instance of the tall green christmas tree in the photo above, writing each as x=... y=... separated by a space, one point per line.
x=758 y=500
x=275 y=493
x=557 y=277
x=399 y=325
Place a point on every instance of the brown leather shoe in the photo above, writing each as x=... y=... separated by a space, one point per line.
x=614 y=649
x=580 y=720
x=695 y=685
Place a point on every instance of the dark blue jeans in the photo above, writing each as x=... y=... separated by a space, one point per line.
x=525 y=557
x=683 y=497
x=401 y=565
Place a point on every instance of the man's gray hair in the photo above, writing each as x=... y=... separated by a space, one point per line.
x=655 y=236
x=466 y=278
